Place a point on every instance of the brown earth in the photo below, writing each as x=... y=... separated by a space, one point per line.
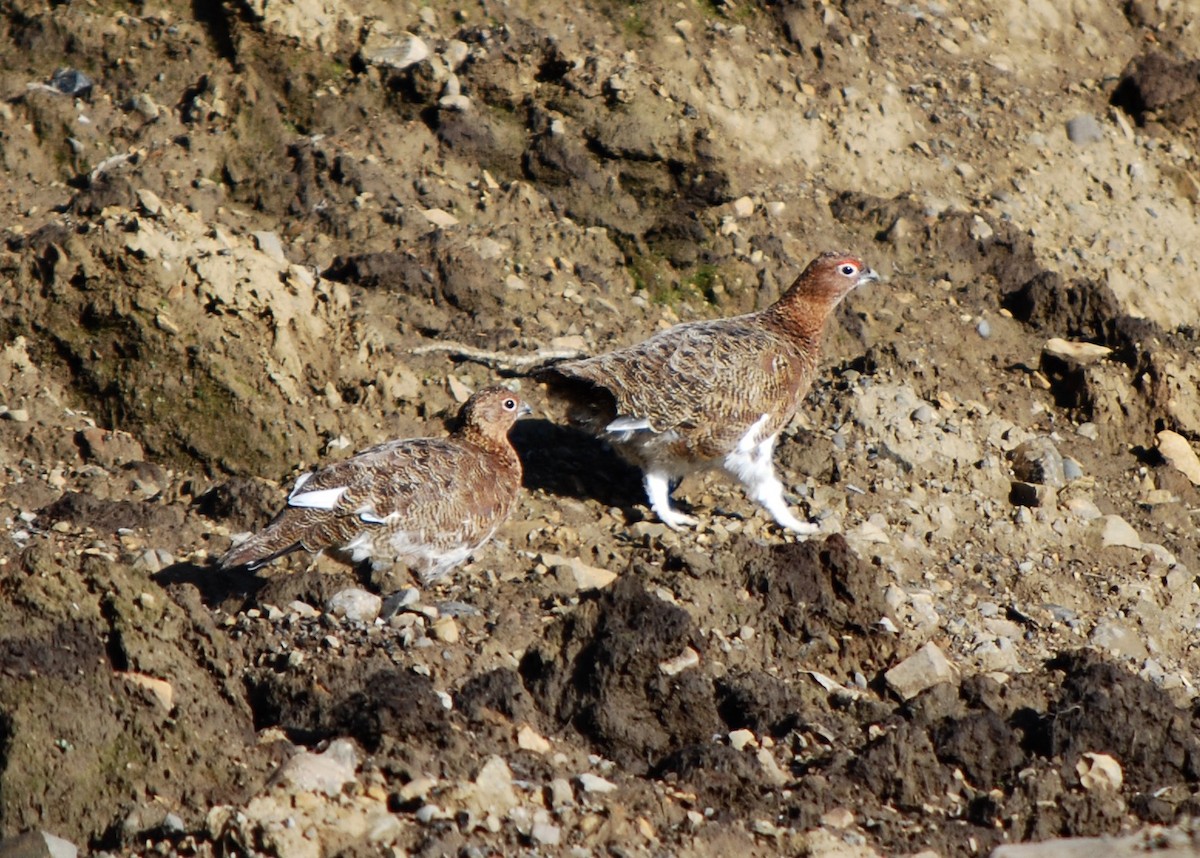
x=254 y=239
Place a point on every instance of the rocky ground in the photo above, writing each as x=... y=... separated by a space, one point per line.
x=244 y=238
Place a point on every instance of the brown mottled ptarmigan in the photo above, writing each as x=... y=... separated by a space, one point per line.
x=712 y=394
x=427 y=503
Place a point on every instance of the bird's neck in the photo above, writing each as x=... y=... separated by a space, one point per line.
x=801 y=317
x=491 y=442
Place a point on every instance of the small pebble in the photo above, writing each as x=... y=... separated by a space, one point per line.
x=546 y=833
x=398 y=601
x=303 y=609
x=561 y=794
x=1116 y=531
x=1084 y=129
x=981 y=230
x=596 y=784
x=445 y=629
x=427 y=813
x=743 y=207
x=739 y=739
x=71 y=82
x=355 y=605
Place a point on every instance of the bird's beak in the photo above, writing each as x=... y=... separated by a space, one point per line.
x=868 y=275
x=525 y=410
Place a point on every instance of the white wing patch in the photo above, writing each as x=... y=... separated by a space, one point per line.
x=628 y=424
x=319 y=499
x=368 y=515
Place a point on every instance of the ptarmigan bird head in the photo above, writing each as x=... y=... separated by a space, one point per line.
x=488 y=415
x=713 y=394
x=425 y=503
x=821 y=287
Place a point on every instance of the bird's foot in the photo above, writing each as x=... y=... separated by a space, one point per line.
x=658 y=492
x=676 y=520
x=787 y=521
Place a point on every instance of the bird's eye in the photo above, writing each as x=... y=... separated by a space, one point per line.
x=848 y=269
x=510 y=405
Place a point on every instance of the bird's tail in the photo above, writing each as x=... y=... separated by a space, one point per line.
x=589 y=405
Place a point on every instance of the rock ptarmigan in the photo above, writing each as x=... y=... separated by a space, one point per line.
x=427 y=503
x=712 y=394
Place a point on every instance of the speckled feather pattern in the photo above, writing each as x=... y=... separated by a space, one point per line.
x=705 y=383
x=693 y=396
x=426 y=503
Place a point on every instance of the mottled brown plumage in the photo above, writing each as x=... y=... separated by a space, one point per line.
x=423 y=502
x=712 y=394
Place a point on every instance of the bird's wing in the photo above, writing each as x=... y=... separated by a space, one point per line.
x=692 y=374
x=417 y=478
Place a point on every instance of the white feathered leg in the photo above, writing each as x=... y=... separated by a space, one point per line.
x=658 y=491
x=750 y=464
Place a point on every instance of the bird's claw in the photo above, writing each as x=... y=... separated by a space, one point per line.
x=796 y=526
x=677 y=520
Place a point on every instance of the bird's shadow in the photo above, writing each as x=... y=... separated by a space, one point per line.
x=564 y=461
x=298 y=578
x=229 y=589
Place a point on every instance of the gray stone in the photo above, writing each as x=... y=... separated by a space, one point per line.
x=398 y=601
x=404 y=51
x=1178 y=453
x=923 y=669
x=1078 y=352
x=546 y=833
x=355 y=605
x=145 y=106
x=1116 y=531
x=492 y=791
x=1084 y=129
x=149 y=201
x=595 y=784
x=455 y=54
x=1038 y=461
x=72 y=82
x=561 y=794
x=327 y=772
x=924 y=414
x=981 y=230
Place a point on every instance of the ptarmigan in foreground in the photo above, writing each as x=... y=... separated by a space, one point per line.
x=426 y=503
x=712 y=394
